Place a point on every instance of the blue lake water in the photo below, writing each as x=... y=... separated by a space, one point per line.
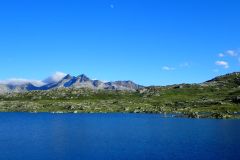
x=45 y=136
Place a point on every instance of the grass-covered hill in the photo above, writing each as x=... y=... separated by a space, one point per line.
x=216 y=98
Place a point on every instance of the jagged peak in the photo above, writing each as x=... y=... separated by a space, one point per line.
x=83 y=77
x=68 y=76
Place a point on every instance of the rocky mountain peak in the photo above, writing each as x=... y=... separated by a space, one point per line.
x=83 y=78
x=68 y=76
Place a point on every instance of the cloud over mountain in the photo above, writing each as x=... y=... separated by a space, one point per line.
x=55 y=77
x=20 y=81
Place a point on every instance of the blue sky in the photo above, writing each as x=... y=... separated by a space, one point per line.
x=152 y=42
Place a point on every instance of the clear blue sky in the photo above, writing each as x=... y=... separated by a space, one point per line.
x=152 y=42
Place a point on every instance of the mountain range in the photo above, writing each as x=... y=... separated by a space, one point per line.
x=60 y=80
x=68 y=81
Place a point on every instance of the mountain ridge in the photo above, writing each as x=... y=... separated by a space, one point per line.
x=82 y=81
x=69 y=81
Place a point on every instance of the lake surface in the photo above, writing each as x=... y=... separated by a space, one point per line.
x=44 y=136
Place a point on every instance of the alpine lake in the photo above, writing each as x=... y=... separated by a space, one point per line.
x=119 y=136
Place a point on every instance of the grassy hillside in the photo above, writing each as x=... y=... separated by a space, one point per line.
x=217 y=98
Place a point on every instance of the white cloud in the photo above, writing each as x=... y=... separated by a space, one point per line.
x=232 y=53
x=224 y=64
x=166 y=68
x=55 y=77
x=221 y=55
x=20 y=81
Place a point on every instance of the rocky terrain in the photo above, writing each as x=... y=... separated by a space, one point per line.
x=216 y=98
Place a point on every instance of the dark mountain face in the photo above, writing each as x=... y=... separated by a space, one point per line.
x=83 y=78
x=70 y=82
x=97 y=83
x=67 y=77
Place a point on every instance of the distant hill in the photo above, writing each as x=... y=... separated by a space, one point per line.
x=227 y=80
